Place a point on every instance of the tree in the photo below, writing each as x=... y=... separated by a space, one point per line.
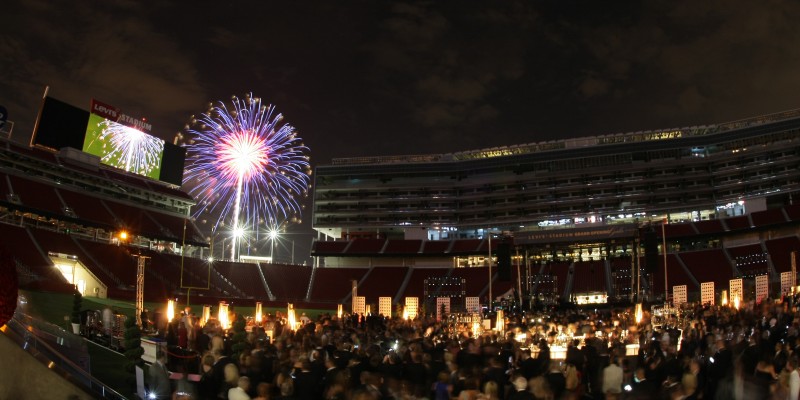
x=77 y=303
x=133 y=345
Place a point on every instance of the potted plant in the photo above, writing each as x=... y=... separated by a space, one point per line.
x=77 y=301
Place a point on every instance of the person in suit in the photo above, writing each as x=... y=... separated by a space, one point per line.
x=520 y=389
x=159 y=378
x=218 y=371
x=643 y=388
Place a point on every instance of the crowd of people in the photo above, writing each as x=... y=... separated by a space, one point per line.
x=695 y=352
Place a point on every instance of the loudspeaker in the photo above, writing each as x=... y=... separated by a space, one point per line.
x=504 y=262
x=650 y=251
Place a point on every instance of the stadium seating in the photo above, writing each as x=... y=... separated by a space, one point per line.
x=674 y=231
x=288 y=283
x=780 y=252
x=589 y=276
x=435 y=246
x=710 y=227
x=173 y=226
x=793 y=211
x=37 y=196
x=416 y=283
x=329 y=247
x=88 y=208
x=365 y=246
x=768 y=217
x=738 y=223
x=221 y=272
x=17 y=240
x=749 y=260
x=621 y=271
x=501 y=287
x=708 y=266
x=54 y=242
x=334 y=284
x=402 y=247
x=560 y=270
x=247 y=278
x=134 y=219
x=382 y=282
x=466 y=246
x=476 y=279
x=676 y=276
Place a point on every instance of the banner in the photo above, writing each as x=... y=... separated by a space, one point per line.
x=679 y=295
x=762 y=287
x=603 y=232
x=359 y=305
x=112 y=113
x=385 y=306
x=736 y=291
x=473 y=304
x=707 y=293
x=412 y=307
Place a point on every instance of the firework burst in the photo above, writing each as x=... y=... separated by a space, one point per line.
x=130 y=149
x=245 y=167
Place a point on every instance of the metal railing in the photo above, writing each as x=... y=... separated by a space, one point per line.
x=33 y=341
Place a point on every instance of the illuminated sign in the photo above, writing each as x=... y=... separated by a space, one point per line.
x=120 y=142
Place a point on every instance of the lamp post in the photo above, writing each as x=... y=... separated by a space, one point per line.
x=273 y=235
x=489 y=234
x=664 y=250
x=238 y=232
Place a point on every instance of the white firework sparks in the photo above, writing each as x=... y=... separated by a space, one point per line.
x=130 y=149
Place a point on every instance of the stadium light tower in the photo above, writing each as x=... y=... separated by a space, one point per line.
x=140 y=264
x=238 y=232
x=273 y=236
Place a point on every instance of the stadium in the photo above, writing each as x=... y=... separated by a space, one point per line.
x=607 y=219
x=574 y=215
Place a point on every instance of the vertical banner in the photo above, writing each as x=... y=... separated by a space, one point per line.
x=412 y=307
x=359 y=305
x=787 y=281
x=473 y=305
x=385 y=306
x=736 y=291
x=707 y=293
x=762 y=287
x=678 y=295
x=442 y=307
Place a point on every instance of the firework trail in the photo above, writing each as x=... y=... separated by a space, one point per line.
x=131 y=149
x=244 y=166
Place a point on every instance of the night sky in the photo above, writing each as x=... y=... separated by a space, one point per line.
x=361 y=78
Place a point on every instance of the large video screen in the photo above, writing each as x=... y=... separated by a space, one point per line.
x=62 y=125
x=123 y=147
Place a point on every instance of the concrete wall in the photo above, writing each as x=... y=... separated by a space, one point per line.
x=24 y=377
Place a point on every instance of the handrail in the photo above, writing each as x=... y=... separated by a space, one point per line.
x=26 y=337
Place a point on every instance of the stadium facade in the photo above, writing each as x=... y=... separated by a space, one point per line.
x=591 y=199
x=683 y=174
x=562 y=220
